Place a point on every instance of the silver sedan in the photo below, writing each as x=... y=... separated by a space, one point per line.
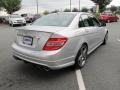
x=59 y=40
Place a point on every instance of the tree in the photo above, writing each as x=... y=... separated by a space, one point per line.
x=11 y=5
x=67 y=10
x=118 y=10
x=113 y=9
x=46 y=12
x=84 y=9
x=0 y=4
x=102 y=4
x=75 y=10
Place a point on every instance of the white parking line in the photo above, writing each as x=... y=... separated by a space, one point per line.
x=80 y=80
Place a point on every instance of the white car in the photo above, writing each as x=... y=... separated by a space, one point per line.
x=59 y=40
x=16 y=20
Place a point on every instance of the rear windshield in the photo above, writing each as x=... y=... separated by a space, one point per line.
x=61 y=20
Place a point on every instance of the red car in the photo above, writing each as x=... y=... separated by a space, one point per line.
x=109 y=17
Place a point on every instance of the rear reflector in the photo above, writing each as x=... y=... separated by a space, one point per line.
x=54 y=44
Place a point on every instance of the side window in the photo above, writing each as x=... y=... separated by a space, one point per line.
x=85 y=20
x=90 y=21
x=81 y=24
x=95 y=22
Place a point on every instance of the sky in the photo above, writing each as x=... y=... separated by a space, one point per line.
x=30 y=5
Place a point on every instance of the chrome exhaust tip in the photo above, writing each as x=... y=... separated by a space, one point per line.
x=44 y=68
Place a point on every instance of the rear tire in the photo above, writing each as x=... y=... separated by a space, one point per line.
x=81 y=57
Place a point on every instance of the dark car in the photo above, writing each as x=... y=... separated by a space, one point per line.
x=28 y=17
x=36 y=16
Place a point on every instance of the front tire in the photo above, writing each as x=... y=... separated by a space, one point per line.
x=105 y=39
x=81 y=57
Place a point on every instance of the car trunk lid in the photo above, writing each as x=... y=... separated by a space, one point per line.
x=35 y=37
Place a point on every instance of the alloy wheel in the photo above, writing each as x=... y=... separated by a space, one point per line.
x=82 y=56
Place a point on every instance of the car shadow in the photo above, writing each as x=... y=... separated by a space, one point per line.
x=32 y=72
x=96 y=50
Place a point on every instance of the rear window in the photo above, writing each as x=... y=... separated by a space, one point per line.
x=62 y=20
x=24 y=15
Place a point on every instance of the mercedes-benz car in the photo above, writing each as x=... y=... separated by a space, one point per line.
x=59 y=40
x=16 y=20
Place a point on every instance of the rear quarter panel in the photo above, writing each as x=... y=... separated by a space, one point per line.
x=75 y=40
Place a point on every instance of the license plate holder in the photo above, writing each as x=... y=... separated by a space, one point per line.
x=27 y=40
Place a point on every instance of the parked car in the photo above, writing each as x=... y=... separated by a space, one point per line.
x=2 y=19
x=36 y=16
x=6 y=19
x=16 y=20
x=109 y=17
x=59 y=40
x=28 y=17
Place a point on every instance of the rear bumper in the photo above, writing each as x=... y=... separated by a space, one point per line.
x=42 y=58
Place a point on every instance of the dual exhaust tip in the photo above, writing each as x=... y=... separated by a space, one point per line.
x=40 y=67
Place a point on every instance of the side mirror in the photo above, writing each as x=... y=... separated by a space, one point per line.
x=103 y=24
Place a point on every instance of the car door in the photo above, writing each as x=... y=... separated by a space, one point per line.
x=90 y=31
x=98 y=30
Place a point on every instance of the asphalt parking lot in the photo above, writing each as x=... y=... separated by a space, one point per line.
x=102 y=71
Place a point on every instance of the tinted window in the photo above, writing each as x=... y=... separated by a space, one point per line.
x=81 y=23
x=85 y=20
x=62 y=20
x=93 y=21
x=24 y=15
x=90 y=21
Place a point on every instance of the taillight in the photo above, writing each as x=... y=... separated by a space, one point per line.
x=54 y=44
